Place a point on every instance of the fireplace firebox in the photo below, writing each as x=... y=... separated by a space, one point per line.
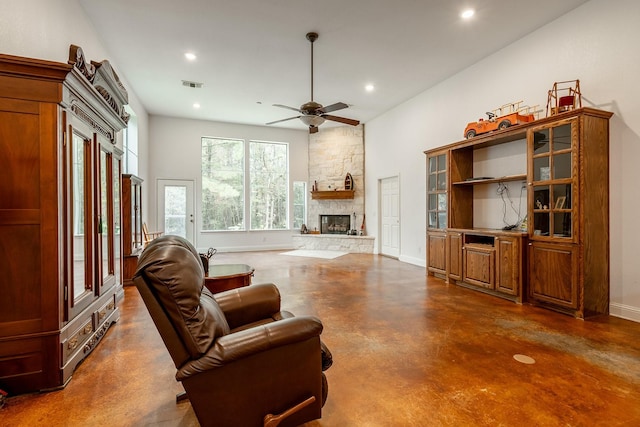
x=335 y=224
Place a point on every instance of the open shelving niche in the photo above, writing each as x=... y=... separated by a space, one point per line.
x=474 y=167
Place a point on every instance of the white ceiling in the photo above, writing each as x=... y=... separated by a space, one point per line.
x=253 y=53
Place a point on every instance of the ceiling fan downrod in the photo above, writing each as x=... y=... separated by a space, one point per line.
x=312 y=37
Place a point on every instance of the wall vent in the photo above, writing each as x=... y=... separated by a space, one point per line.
x=196 y=85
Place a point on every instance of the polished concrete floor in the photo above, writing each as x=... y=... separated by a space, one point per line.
x=408 y=351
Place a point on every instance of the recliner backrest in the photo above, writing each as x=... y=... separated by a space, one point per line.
x=170 y=267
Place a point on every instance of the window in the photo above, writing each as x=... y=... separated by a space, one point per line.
x=222 y=184
x=299 y=204
x=225 y=187
x=130 y=143
x=268 y=178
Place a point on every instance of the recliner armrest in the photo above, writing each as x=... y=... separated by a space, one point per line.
x=249 y=304
x=232 y=347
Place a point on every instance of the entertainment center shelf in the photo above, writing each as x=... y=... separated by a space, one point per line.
x=476 y=181
x=559 y=258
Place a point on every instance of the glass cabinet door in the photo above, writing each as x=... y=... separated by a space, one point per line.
x=92 y=220
x=437 y=192
x=80 y=280
x=136 y=212
x=552 y=178
x=117 y=220
x=105 y=221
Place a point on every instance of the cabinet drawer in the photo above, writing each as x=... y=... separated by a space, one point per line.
x=76 y=340
x=104 y=312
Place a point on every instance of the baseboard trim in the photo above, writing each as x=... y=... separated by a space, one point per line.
x=625 y=312
x=420 y=262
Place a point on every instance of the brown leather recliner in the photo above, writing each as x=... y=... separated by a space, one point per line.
x=242 y=361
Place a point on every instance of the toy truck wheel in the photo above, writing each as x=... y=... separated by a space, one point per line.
x=470 y=134
x=504 y=124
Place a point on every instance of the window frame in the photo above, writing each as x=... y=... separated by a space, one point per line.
x=247 y=188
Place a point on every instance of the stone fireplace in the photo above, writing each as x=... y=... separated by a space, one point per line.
x=334 y=152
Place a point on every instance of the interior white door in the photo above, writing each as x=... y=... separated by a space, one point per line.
x=390 y=216
x=176 y=209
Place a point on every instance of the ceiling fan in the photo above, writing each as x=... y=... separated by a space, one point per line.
x=313 y=114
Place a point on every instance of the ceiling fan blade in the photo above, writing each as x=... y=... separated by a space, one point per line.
x=287 y=107
x=334 y=107
x=283 y=120
x=313 y=129
x=344 y=120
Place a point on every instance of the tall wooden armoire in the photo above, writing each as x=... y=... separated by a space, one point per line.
x=60 y=215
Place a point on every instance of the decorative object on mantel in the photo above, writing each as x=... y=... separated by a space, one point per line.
x=303 y=229
x=362 y=229
x=348 y=182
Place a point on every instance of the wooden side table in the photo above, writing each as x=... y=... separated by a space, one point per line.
x=223 y=277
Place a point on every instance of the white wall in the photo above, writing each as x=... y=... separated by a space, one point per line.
x=596 y=43
x=45 y=29
x=176 y=153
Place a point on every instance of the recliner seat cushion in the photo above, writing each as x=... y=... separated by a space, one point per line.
x=177 y=277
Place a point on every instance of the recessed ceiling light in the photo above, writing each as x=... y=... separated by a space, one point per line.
x=467 y=14
x=369 y=87
x=190 y=56
x=196 y=106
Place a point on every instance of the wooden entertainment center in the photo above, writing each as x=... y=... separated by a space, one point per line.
x=560 y=258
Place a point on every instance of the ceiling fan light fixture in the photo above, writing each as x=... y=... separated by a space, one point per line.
x=312 y=113
x=312 y=120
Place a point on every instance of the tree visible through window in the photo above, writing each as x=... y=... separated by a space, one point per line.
x=268 y=181
x=223 y=184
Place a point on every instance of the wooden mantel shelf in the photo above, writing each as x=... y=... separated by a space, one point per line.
x=335 y=194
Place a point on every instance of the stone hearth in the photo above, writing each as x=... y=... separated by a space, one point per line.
x=334 y=242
